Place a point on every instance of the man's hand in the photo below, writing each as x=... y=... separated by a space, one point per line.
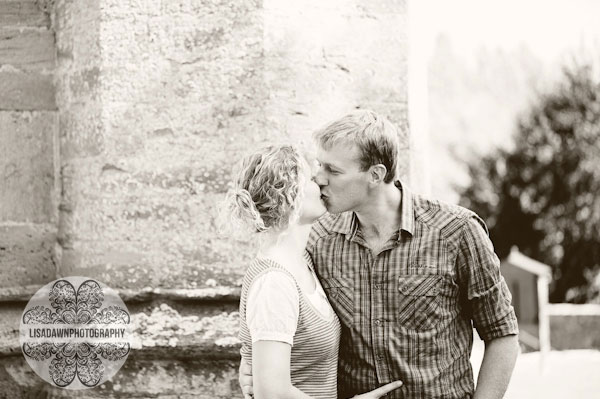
x=379 y=392
x=245 y=379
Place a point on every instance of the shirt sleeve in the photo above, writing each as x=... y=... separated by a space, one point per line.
x=273 y=307
x=486 y=290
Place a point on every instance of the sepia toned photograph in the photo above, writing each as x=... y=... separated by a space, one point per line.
x=273 y=199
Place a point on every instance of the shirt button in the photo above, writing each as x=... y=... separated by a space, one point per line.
x=378 y=322
x=377 y=286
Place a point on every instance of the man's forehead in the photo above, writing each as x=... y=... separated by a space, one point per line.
x=338 y=154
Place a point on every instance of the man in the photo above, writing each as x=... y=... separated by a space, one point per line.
x=408 y=276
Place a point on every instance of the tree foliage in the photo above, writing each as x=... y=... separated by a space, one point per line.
x=543 y=196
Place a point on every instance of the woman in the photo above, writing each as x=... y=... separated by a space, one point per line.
x=289 y=332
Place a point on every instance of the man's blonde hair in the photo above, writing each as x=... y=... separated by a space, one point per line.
x=374 y=135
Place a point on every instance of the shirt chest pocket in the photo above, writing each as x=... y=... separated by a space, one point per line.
x=419 y=301
x=341 y=297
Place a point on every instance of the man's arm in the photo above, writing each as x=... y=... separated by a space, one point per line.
x=497 y=366
x=491 y=309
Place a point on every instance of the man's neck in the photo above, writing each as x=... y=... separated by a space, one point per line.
x=381 y=214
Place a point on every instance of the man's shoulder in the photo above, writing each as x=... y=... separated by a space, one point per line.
x=440 y=215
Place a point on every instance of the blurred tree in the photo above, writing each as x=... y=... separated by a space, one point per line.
x=544 y=195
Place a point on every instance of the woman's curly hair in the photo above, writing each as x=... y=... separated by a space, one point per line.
x=267 y=189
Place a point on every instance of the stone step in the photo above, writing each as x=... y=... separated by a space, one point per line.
x=182 y=337
x=184 y=350
x=182 y=325
x=161 y=378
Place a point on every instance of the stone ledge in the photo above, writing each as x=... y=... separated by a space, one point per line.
x=208 y=294
x=165 y=334
x=219 y=293
x=18 y=294
x=189 y=350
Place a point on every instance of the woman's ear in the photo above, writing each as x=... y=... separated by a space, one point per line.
x=377 y=173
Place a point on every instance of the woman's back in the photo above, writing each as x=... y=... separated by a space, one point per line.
x=314 y=352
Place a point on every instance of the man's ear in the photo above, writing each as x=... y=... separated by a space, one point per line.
x=377 y=173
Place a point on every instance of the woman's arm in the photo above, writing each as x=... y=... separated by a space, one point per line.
x=271 y=376
x=272 y=316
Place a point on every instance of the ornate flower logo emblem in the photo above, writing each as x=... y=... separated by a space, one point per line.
x=75 y=333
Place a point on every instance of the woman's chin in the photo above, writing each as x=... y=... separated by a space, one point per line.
x=313 y=217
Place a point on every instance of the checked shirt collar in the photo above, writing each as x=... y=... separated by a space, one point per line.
x=347 y=223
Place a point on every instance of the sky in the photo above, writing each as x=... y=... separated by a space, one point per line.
x=548 y=27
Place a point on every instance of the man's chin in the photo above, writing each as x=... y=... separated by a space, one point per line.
x=336 y=209
x=332 y=208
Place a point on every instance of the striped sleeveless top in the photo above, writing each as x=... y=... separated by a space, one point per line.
x=314 y=355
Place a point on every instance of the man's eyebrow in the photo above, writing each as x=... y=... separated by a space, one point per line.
x=330 y=165
x=327 y=164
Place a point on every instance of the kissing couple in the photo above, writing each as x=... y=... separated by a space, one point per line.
x=361 y=288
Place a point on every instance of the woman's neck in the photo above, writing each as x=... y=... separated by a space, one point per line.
x=287 y=246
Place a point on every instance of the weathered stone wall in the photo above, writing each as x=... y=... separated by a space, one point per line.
x=156 y=101
x=177 y=85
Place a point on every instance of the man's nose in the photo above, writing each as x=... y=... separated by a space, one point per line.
x=319 y=178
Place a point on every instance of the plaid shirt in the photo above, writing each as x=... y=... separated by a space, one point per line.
x=407 y=312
